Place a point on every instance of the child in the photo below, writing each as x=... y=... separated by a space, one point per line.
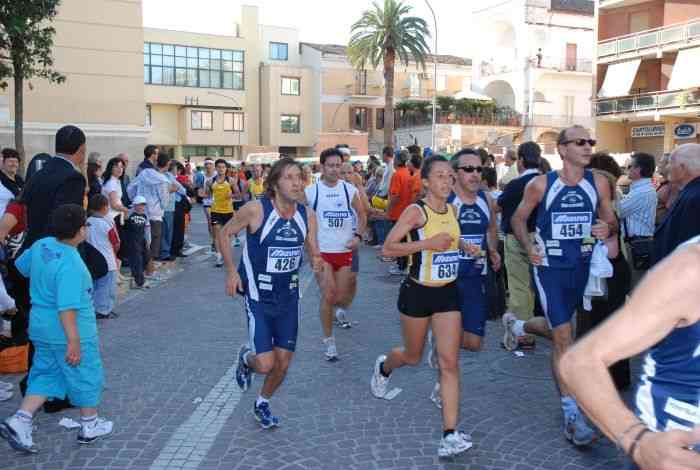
x=136 y=229
x=103 y=235
x=64 y=332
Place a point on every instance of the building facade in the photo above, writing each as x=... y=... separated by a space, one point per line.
x=647 y=81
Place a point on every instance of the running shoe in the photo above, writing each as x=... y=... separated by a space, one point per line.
x=577 y=430
x=435 y=396
x=432 y=359
x=379 y=383
x=264 y=416
x=331 y=351
x=454 y=443
x=95 y=430
x=526 y=343
x=244 y=374
x=219 y=260
x=18 y=435
x=510 y=340
x=341 y=318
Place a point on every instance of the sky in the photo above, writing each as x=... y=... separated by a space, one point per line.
x=322 y=21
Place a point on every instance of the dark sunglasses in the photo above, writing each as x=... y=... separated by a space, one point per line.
x=470 y=169
x=580 y=142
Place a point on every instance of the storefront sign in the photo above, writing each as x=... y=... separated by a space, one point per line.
x=648 y=131
x=685 y=131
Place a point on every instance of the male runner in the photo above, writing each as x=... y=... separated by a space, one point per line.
x=221 y=190
x=209 y=174
x=268 y=275
x=335 y=201
x=573 y=206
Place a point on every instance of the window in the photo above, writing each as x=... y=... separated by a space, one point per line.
x=359 y=119
x=291 y=86
x=380 y=118
x=233 y=122
x=148 y=115
x=202 y=151
x=202 y=120
x=279 y=51
x=166 y=64
x=290 y=123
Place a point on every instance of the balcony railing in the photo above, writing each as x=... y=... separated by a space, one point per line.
x=563 y=64
x=488 y=69
x=654 y=101
x=650 y=39
x=491 y=119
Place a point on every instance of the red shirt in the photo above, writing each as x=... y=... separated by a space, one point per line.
x=401 y=186
x=19 y=211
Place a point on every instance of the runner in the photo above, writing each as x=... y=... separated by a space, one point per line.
x=662 y=317
x=336 y=202
x=278 y=228
x=221 y=190
x=257 y=184
x=573 y=206
x=428 y=297
x=209 y=174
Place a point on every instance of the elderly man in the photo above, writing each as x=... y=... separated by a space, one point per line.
x=511 y=168
x=682 y=221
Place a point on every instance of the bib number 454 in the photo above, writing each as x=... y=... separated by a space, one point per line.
x=571 y=231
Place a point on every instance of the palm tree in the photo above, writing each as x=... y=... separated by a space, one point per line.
x=383 y=34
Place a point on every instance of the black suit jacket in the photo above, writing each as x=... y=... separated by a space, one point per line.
x=682 y=221
x=57 y=183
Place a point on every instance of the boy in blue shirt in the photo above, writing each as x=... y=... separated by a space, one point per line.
x=64 y=332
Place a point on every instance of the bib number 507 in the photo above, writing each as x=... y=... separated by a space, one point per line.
x=335 y=223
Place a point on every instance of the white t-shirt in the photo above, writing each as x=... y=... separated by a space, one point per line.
x=98 y=236
x=5 y=197
x=112 y=185
x=334 y=213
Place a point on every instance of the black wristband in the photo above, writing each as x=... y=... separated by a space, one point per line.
x=357 y=235
x=635 y=442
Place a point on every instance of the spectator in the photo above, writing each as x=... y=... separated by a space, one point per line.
x=682 y=221
x=102 y=234
x=9 y=176
x=63 y=324
x=183 y=207
x=172 y=199
x=511 y=168
x=667 y=191
x=124 y=180
x=94 y=169
x=12 y=228
x=112 y=190
x=383 y=224
x=136 y=229
x=521 y=299
x=36 y=164
x=414 y=165
x=495 y=282
x=198 y=183
x=150 y=156
x=400 y=194
x=638 y=213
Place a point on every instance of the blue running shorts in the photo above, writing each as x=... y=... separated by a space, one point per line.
x=560 y=291
x=272 y=325
x=473 y=304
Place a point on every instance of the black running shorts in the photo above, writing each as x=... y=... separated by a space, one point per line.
x=417 y=300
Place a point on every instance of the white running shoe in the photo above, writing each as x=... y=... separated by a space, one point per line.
x=341 y=318
x=379 y=383
x=18 y=435
x=435 y=396
x=510 y=340
x=454 y=444
x=432 y=359
x=89 y=433
x=219 y=260
x=331 y=351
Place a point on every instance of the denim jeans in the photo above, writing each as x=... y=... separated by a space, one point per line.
x=382 y=227
x=104 y=292
x=166 y=240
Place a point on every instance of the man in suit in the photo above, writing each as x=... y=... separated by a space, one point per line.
x=58 y=182
x=682 y=221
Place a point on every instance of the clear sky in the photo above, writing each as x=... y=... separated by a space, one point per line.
x=323 y=21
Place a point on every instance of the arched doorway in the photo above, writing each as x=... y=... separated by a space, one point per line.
x=501 y=92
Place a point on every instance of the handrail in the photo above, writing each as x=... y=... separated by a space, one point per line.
x=655 y=37
x=648 y=101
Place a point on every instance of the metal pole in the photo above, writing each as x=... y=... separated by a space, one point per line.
x=434 y=76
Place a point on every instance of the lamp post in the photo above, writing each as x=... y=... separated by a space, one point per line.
x=238 y=105
x=434 y=75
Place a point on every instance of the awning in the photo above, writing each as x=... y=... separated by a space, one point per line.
x=685 y=70
x=619 y=78
x=472 y=95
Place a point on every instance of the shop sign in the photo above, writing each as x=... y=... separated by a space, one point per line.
x=685 y=131
x=648 y=131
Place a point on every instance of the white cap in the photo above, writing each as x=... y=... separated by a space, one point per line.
x=344 y=150
x=138 y=200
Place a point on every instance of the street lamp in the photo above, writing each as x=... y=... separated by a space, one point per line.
x=238 y=105
x=434 y=75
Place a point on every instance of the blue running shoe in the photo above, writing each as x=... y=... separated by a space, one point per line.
x=264 y=416
x=244 y=374
x=578 y=431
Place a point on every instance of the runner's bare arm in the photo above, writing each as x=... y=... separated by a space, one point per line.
x=250 y=215
x=605 y=210
x=534 y=191
x=667 y=298
x=312 y=240
x=492 y=235
x=359 y=205
x=412 y=217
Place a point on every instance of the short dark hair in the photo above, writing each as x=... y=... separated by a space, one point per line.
x=428 y=165
x=416 y=161
x=465 y=151
x=388 y=151
x=163 y=160
x=544 y=166
x=276 y=173
x=149 y=150
x=603 y=161
x=530 y=153
x=69 y=139
x=10 y=153
x=562 y=137
x=645 y=162
x=330 y=152
x=414 y=149
x=97 y=202
x=66 y=220
x=489 y=175
x=221 y=160
x=401 y=158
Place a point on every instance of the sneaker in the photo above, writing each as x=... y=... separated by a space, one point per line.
x=6 y=386
x=435 y=396
x=101 y=316
x=526 y=343
x=510 y=341
x=432 y=359
x=91 y=432
x=244 y=374
x=264 y=416
x=341 y=318
x=331 y=351
x=379 y=383
x=6 y=395
x=578 y=432
x=454 y=444
x=219 y=260
x=395 y=271
x=18 y=435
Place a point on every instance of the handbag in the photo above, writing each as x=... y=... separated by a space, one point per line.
x=93 y=259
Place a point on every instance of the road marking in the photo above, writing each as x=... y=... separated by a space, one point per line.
x=191 y=442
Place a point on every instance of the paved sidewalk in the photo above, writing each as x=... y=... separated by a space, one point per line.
x=168 y=362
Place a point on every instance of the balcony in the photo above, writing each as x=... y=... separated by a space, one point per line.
x=424 y=118
x=562 y=64
x=665 y=39
x=650 y=102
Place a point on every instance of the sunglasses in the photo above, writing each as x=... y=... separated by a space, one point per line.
x=470 y=169
x=580 y=142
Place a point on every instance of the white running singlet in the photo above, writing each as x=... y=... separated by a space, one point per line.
x=334 y=212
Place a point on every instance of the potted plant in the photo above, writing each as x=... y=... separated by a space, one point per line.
x=445 y=103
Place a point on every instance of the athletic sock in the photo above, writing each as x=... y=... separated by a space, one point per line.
x=447 y=432
x=87 y=421
x=519 y=328
x=261 y=400
x=569 y=406
x=381 y=371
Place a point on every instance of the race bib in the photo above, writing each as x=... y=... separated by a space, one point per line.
x=571 y=225
x=444 y=266
x=335 y=219
x=283 y=260
x=476 y=240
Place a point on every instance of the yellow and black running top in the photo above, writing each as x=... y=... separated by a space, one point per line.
x=435 y=268
x=221 y=196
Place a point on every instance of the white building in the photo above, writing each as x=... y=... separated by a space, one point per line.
x=539 y=62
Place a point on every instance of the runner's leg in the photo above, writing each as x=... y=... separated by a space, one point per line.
x=414 y=330
x=326 y=283
x=447 y=328
x=275 y=374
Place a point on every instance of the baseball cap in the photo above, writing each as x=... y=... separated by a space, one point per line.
x=138 y=200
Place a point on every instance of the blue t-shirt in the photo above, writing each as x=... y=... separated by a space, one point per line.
x=58 y=281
